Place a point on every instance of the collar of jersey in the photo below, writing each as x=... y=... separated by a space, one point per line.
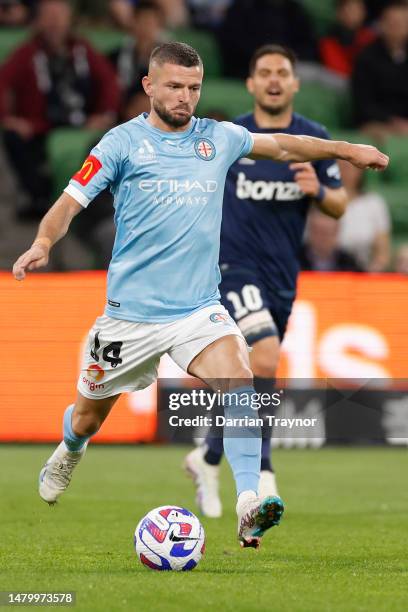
x=167 y=135
x=256 y=128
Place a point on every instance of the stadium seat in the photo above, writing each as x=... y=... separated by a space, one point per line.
x=396 y=197
x=67 y=149
x=227 y=95
x=205 y=44
x=105 y=40
x=10 y=39
x=322 y=12
x=324 y=104
x=397 y=148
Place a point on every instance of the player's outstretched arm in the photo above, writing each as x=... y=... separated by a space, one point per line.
x=285 y=147
x=53 y=227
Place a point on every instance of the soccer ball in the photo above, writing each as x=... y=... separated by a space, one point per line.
x=170 y=538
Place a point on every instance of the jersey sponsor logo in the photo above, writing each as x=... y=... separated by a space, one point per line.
x=219 y=317
x=176 y=186
x=333 y=171
x=90 y=167
x=204 y=149
x=171 y=192
x=280 y=191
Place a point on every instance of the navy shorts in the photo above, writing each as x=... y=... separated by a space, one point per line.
x=258 y=310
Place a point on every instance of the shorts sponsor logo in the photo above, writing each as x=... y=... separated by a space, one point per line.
x=219 y=317
x=93 y=386
x=95 y=372
x=204 y=149
x=91 y=166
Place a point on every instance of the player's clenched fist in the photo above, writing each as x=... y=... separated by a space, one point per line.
x=364 y=156
x=35 y=257
x=306 y=178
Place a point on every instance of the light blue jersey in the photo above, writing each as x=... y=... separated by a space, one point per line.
x=168 y=189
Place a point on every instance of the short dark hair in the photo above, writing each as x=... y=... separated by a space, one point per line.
x=394 y=4
x=147 y=5
x=340 y=3
x=272 y=50
x=176 y=53
x=37 y=7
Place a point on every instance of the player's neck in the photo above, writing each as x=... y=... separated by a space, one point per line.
x=267 y=121
x=156 y=122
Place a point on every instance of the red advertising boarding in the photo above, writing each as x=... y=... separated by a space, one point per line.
x=342 y=326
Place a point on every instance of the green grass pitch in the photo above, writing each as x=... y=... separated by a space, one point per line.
x=342 y=545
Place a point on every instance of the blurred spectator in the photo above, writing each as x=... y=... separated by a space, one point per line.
x=208 y=13
x=401 y=260
x=55 y=79
x=346 y=37
x=320 y=250
x=120 y=12
x=366 y=225
x=13 y=13
x=174 y=11
x=145 y=25
x=374 y=8
x=249 y=24
x=380 y=77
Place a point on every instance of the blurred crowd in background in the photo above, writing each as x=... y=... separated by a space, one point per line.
x=72 y=70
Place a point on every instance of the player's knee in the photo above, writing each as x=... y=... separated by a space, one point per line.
x=265 y=364
x=242 y=375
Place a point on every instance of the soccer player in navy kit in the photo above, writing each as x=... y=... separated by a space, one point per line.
x=264 y=213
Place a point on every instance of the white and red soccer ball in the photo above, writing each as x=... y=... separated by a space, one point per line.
x=170 y=538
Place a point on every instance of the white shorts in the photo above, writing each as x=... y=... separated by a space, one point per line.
x=123 y=356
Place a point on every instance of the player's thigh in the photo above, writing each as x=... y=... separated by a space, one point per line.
x=119 y=357
x=224 y=364
x=209 y=345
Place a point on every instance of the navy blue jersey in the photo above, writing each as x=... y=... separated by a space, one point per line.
x=264 y=211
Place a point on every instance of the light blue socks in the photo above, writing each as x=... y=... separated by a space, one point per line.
x=242 y=442
x=73 y=442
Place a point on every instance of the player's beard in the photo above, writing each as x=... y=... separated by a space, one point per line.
x=275 y=110
x=170 y=119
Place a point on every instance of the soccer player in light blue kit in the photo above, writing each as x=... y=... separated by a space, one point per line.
x=167 y=172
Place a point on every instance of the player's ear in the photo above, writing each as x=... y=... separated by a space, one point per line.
x=250 y=85
x=296 y=85
x=147 y=85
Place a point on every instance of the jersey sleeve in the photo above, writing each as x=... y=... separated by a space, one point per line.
x=99 y=170
x=328 y=170
x=240 y=140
